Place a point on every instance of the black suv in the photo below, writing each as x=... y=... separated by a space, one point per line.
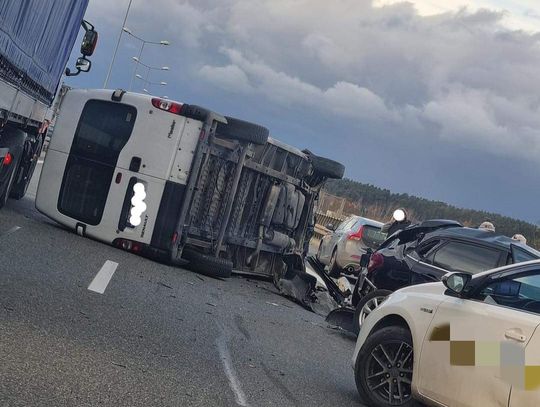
x=425 y=252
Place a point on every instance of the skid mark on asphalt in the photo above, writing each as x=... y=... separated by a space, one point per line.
x=10 y=231
x=226 y=359
x=103 y=277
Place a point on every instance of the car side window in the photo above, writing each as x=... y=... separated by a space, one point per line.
x=520 y=255
x=465 y=257
x=521 y=292
x=424 y=250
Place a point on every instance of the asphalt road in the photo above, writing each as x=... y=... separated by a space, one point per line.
x=157 y=336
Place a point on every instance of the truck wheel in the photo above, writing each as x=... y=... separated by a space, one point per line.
x=208 y=265
x=326 y=167
x=366 y=305
x=10 y=178
x=24 y=175
x=14 y=140
x=244 y=131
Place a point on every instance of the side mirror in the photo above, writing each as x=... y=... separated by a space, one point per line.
x=364 y=259
x=89 y=43
x=331 y=227
x=456 y=282
x=87 y=48
x=83 y=64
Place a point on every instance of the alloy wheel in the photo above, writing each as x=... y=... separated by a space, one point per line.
x=370 y=306
x=389 y=372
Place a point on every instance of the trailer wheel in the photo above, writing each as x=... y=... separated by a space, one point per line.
x=208 y=265
x=13 y=139
x=245 y=131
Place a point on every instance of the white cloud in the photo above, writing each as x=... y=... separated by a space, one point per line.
x=229 y=77
x=461 y=77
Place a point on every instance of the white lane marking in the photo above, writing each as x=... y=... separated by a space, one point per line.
x=102 y=278
x=228 y=367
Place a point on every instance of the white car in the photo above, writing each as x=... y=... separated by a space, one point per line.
x=466 y=341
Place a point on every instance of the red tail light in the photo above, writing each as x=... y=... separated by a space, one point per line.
x=167 y=105
x=129 y=245
x=8 y=159
x=358 y=235
x=375 y=261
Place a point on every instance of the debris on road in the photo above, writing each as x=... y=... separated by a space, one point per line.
x=164 y=285
x=304 y=288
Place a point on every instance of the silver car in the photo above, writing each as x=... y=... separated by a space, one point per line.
x=341 y=249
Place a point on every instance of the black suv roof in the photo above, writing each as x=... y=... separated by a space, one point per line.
x=482 y=236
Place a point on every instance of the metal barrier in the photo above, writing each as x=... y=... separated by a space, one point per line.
x=324 y=219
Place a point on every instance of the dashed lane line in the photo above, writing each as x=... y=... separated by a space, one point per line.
x=103 y=277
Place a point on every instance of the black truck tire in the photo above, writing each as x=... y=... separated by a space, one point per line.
x=208 y=265
x=24 y=175
x=245 y=131
x=326 y=167
x=14 y=140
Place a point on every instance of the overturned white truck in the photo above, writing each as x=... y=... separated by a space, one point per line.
x=181 y=183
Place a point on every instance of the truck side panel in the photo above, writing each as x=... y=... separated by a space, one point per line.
x=36 y=38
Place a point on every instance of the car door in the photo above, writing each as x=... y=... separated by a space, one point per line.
x=528 y=392
x=475 y=351
x=419 y=261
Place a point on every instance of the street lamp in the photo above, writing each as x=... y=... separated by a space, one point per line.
x=143 y=43
x=162 y=68
x=149 y=83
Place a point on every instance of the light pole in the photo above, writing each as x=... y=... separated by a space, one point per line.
x=149 y=68
x=116 y=48
x=148 y=83
x=143 y=43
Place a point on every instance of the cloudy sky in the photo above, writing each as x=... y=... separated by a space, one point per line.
x=436 y=98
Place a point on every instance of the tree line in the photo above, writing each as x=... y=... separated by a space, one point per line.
x=378 y=203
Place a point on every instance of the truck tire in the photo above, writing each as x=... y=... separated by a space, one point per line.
x=208 y=265
x=24 y=175
x=326 y=167
x=14 y=140
x=240 y=130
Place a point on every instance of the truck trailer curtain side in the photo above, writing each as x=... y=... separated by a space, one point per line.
x=36 y=38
